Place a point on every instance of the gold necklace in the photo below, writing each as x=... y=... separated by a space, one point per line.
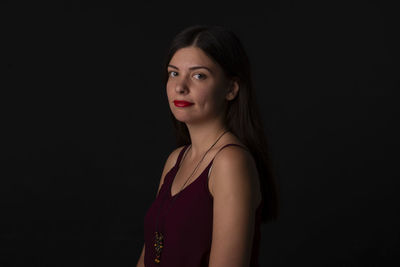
x=159 y=244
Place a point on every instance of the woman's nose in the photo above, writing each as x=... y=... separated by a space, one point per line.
x=181 y=86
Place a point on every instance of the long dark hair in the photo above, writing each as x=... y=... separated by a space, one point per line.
x=242 y=116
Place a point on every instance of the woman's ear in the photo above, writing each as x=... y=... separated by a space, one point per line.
x=233 y=89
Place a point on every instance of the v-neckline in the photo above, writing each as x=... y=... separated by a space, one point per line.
x=197 y=178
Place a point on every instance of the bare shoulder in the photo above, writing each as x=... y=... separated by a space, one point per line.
x=234 y=169
x=234 y=157
x=171 y=160
x=169 y=163
x=173 y=156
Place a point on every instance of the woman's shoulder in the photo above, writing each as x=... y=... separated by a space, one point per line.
x=234 y=167
x=234 y=157
x=232 y=153
x=170 y=163
x=173 y=157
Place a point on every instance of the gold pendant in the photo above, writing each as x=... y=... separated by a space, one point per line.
x=158 y=246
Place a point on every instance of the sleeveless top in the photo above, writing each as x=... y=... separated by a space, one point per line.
x=187 y=225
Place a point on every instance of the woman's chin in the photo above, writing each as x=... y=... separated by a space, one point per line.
x=185 y=119
x=182 y=116
x=189 y=119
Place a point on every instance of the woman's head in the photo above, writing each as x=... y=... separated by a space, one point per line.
x=228 y=94
x=195 y=78
x=223 y=49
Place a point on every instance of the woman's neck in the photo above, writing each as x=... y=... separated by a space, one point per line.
x=203 y=137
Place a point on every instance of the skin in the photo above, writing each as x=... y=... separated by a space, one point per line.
x=233 y=179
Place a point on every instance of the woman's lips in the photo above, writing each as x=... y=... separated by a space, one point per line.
x=180 y=103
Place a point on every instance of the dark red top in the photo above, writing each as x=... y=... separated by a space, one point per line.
x=187 y=226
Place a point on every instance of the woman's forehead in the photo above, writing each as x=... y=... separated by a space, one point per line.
x=191 y=56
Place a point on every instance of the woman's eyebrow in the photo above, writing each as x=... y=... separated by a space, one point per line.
x=192 y=68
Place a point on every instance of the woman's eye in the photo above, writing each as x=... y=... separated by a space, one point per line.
x=172 y=73
x=199 y=76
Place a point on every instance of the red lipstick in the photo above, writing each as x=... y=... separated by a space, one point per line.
x=181 y=103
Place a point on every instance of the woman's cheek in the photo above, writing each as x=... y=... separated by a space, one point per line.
x=168 y=89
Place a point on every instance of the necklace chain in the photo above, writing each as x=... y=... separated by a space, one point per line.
x=159 y=236
x=199 y=161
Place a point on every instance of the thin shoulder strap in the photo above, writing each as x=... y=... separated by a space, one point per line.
x=211 y=163
x=228 y=145
x=180 y=155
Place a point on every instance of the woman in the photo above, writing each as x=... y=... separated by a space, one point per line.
x=217 y=186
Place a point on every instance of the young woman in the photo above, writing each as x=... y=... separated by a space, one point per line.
x=217 y=187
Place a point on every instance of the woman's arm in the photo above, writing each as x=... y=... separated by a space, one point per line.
x=140 y=262
x=234 y=185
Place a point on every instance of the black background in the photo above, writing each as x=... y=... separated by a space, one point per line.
x=86 y=128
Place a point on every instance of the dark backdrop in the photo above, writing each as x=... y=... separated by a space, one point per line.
x=86 y=129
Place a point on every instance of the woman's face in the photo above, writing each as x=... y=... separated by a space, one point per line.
x=194 y=78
